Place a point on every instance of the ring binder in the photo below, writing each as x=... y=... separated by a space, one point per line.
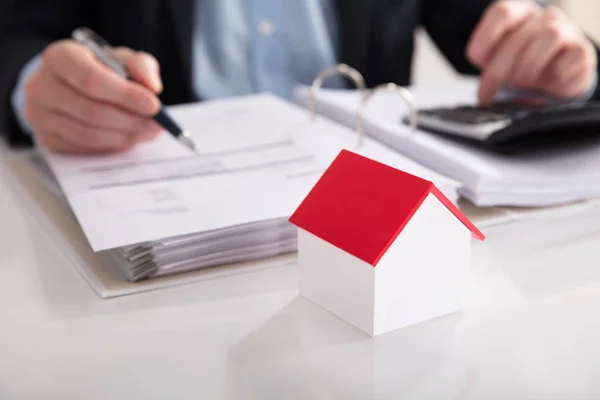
x=390 y=87
x=342 y=69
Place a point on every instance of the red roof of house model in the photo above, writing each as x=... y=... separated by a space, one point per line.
x=360 y=206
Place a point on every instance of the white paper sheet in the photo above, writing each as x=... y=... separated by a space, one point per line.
x=259 y=156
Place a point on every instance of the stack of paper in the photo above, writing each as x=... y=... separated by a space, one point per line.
x=190 y=252
x=161 y=208
x=489 y=179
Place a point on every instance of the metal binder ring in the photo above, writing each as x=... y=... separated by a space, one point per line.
x=341 y=69
x=390 y=87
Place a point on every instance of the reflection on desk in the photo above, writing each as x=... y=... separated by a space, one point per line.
x=530 y=330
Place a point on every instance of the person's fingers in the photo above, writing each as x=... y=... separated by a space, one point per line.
x=572 y=81
x=506 y=60
x=519 y=73
x=564 y=89
x=77 y=66
x=539 y=55
x=498 y=20
x=47 y=91
x=74 y=132
x=577 y=85
x=142 y=67
x=548 y=62
x=569 y=64
x=550 y=40
x=573 y=69
x=56 y=143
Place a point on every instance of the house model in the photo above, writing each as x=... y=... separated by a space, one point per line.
x=381 y=248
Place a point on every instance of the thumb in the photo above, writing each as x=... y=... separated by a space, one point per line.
x=142 y=67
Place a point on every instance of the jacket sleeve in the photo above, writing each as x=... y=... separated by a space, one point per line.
x=450 y=24
x=27 y=27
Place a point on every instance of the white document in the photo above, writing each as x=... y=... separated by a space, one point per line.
x=258 y=158
x=488 y=179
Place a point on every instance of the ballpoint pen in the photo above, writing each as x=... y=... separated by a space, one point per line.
x=102 y=51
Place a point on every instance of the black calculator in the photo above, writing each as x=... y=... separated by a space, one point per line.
x=516 y=126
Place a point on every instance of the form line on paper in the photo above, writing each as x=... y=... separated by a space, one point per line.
x=220 y=171
x=141 y=163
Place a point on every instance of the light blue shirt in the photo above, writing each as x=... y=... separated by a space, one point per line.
x=244 y=47
x=248 y=46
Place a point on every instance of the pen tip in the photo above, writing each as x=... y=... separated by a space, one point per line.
x=186 y=138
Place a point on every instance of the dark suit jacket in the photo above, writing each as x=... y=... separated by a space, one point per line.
x=376 y=37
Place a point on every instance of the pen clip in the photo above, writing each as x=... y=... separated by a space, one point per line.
x=101 y=49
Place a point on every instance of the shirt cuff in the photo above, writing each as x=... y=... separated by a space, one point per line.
x=18 y=94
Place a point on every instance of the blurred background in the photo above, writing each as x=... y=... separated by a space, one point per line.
x=432 y=68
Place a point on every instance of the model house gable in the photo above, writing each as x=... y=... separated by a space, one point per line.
x=361 y=206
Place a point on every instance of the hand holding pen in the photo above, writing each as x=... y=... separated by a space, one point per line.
x=77 y=102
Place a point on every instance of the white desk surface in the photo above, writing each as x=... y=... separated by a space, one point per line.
x=531 y=329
